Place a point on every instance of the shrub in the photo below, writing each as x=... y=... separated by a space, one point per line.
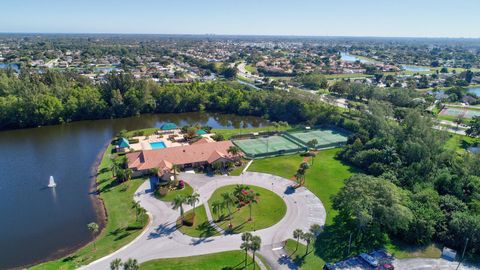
x=162 y=191
x=133 y=141
x=218 y=137
x=139 y=133
x=181 y=184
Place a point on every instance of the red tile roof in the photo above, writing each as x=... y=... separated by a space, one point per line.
x=179 y=155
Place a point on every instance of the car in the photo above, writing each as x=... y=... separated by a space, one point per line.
x=369 y=259
x=388 y=266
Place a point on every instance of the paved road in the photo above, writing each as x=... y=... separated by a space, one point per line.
x=162 y=240
x=424 y=264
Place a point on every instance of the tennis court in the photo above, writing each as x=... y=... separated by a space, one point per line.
x=455 y=112
x=326 y=138
x=460 y=112
x=268 y=146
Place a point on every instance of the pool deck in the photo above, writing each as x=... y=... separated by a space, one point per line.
x=144 y=141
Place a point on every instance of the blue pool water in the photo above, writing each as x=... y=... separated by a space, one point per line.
x=157 y=145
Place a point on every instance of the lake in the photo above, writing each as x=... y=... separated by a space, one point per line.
x=7 y=65
x=40 y=223
x=414 y=68
x=352 y=58
x=440 y=93
x=475 y=91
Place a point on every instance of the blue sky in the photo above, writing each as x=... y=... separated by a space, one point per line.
x=420 y=18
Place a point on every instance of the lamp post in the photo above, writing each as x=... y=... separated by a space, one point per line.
x=463 y=253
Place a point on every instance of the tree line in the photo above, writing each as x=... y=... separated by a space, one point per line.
x=414 y=188
x=31 y=100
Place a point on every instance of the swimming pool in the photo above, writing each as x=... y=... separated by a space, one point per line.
x=157 y=145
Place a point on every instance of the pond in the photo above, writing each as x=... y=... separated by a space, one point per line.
x=8 y=65
x=352 y=58
x=40 y=223
x=414 y=68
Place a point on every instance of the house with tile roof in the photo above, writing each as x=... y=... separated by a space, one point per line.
x=198 y=154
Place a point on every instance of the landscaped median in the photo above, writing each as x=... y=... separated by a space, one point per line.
x=222 y=260
x=122 y=225
x=268 y=209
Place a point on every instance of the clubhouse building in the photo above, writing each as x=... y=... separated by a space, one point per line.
x=201 y=153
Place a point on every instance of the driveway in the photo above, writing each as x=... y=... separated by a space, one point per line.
x=161 y=239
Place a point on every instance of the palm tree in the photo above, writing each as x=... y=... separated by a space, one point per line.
x=297 y=234
x=251 y=198
x=193 y=200
x=131 y=264
x=115 y=264
x=93 y=228
x=228 y=199
x=312 y=144
x=255 y=244
x=178 y=202
x=136 y=206
x=308 y=237
x=246 y=237
x=312 y=155
x=217 y=207
x=300 y=176
x=234 y=151
x=175 y=169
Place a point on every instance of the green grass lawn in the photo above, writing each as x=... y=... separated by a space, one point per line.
x=227 y=133
x=324 y=178
x=186 y=191
x=304 y=260
x=460 y=143
x=201 y=227
x=269 y=210
x=251 y=68
x=402 y=251
x=284 y=166
x=223 y=260
x=121 y=227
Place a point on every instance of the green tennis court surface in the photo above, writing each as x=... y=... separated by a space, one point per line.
x=460 y=112
x=267 y=145
x=326 y=138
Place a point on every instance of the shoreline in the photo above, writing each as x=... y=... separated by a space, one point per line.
x=98 y=207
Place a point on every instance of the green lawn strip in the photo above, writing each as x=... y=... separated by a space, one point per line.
x=227 y=133
x=201 y=227
x=121 y=227
x=251 y=68
x=186 y=191
x=402 y=251
x=269 y=210
x=284 y=166
x=302 y=259
x=347 y=76
x=326 y=176
x=267 y=265
x=460 y=143
x=222 y=260
x=144 y=132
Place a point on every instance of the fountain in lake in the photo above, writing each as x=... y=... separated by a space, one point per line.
x=51 y=182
